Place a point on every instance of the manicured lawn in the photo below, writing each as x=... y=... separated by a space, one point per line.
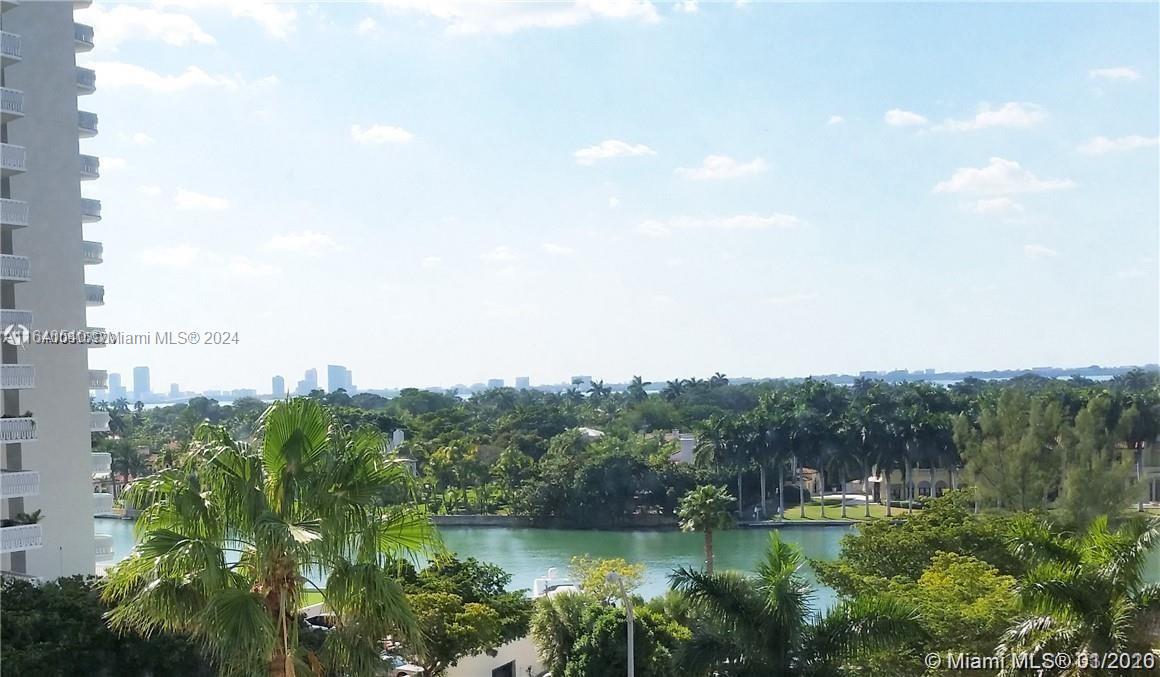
x=854 y=513
x=311 y=597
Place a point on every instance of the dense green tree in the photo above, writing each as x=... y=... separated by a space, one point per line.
x=602 y=648
x=1099 y=472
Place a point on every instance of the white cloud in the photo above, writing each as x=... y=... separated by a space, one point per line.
x=430 y=261
x=500 y=254
x=721 y=167
x=657 y=228
x=187 y=199
x=276 y=18
x=613 y=202
x=1116 y=73
x=151 y=191
x=130 y=22
x=142 y=139
x=307 y=241
x=247 y=267
x=997 y=206
x=1038 y=251
x=380 y=134
x=177 y=256
x=686 y=6
x=112 y=163
x=1011 y=114
x=611 y=148
x=790 y=299
x=469 y=17
x=999 y=177
x=835 y=120
x=903 y=118
x=367 y=25
x=1101 y=145
x=113 y=75
x=557 y=249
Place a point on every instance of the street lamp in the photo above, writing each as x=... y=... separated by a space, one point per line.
x=616 y=578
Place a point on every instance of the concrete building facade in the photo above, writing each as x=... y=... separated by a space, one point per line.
x=45 y=433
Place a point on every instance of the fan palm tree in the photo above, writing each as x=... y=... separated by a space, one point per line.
x=718 y=444
x=1085 y=593
x=706 y=509
x=228 y=541
x=760 y=626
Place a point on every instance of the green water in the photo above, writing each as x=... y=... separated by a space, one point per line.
x=528 y=553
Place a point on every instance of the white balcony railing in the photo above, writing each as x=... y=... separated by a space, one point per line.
x=13 y=213
x=10 y=317
x=86 y=80
x=83 y=37
x=102 y=503
x=86 y=123
x=92 y=252
x=21 y=537
x=21 y=429
x=19 y=483
x=10 y=50
x=15 y=268
x=99 y=421
x=98 y=379
x=94 y=295
x=17 y=376
x=102 y=464
x=12 y=159
x=90 y=210
x=103 y=547
x=90 y=167
x=11 y=103
x=96 y=334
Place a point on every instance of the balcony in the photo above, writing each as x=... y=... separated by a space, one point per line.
x=15 y=430
x=102 y=464
x=11 y=104
x=10 y=317
x=86 y=80
x=9 y=48
x=90 y=167
x=11 y=159
x=86 y=124
x=96 y=333
x=91 y=252
x=6 y=5
x=17 y=376
x=90 y=210
x=13 y=213
x=94 y=295
x=15 y=268
x=102 y=504
x=21 y=537
x=103 y=547
x=98 y=421
x=98 y=379
x=82 y=4
x=19 y=483
x=82 y=37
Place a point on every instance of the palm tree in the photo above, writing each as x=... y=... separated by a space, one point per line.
x=760 y=626
x=718 y=444
x=673 y=389
x=718 y=380
x=228 y=543
x=598 y=391
x=706 y=509
x=1085 y=593
x=636 y=391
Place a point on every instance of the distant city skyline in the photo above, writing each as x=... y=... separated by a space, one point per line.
x=500 y=190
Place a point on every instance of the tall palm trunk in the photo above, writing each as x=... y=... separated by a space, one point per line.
x=801 y=488
x=740 y=509
x=866 y=487
x=889 y=493
x=951 y=474
x=763 y=494
x=709 y=551
x=909 y=488
x=1139 y=478
x=781 y=490
x=822 y=485
x=842 y=479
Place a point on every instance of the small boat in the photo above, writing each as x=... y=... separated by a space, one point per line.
x=553 y=584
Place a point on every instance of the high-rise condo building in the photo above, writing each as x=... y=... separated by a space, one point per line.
x=278 y=387
x=308 y=383
x=46 y=424
x=523 y=382
x=493 y=383
x=141 y=389
x=116 y=390
x=338 y=376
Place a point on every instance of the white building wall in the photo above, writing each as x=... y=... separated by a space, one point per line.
x=522 y=651
x=51 y=187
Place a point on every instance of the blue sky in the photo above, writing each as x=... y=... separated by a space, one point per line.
x=433 y=192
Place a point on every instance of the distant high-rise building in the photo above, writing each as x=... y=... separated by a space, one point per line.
x=338 y=376
x=494 y=383
x=523 y=382
x=278 y=387
x=174 y=391
x=116 y=390
x=309 y=382
x=141 y=389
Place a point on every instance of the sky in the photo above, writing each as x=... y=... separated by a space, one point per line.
x=434 y=192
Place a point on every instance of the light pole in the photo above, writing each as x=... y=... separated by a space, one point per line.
x=616 y=578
